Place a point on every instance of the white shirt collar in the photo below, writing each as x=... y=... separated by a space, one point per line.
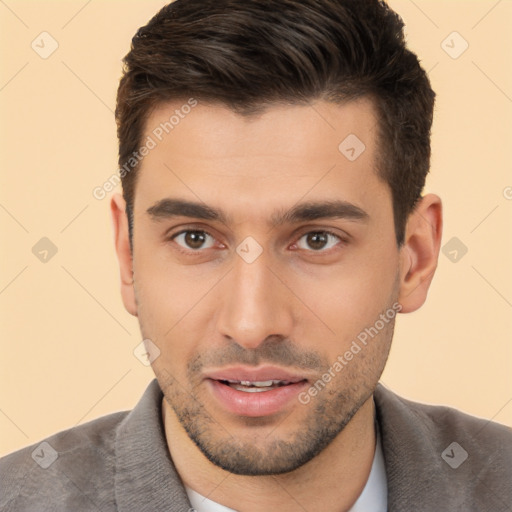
x=201 y=504
x=374 y=497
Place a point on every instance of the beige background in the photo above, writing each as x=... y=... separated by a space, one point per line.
x=67 y=343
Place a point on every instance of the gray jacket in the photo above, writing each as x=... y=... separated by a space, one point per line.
x=437 y=459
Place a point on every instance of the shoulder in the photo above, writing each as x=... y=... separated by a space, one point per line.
x=64 y=471
x=463 y=460
x=438 y=421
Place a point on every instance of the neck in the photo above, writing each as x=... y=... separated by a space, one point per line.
x=331 y=481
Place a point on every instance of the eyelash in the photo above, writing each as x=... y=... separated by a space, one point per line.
x=341 y=239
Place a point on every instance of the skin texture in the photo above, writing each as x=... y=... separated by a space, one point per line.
x=298 y=306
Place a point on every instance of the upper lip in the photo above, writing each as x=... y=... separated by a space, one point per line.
x=251 y=374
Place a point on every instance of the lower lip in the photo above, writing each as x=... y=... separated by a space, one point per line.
x=255 y=404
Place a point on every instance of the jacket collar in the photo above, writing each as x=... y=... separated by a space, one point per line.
x=413 y=437
x=145 y=477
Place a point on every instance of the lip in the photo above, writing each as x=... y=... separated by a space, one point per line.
x=257 y=404
x=262 y=373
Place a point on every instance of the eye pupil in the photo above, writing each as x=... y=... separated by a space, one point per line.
x=317 y=240
x=195 y=239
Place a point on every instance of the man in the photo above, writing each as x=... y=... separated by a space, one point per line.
x=273 y=155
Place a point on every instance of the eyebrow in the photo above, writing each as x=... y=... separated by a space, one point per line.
x=309 y=211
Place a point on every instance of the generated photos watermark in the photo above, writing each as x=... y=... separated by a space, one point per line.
x=151 y=142
x=357 y=345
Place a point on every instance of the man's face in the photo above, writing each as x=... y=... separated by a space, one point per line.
x=267 y=289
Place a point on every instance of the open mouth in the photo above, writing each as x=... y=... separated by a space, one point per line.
x=255 y=398
x=254 y=391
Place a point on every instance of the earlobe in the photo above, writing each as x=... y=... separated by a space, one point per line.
x=420 y=252
x=124 y=253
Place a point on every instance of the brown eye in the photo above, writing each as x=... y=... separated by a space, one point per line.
x=194 y=239
x=318 y=240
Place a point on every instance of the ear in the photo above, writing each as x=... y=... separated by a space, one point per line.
x=420 y=252
x=124 y=253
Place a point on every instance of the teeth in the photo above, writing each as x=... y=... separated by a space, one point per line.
x=259 y=384
x=251 y=389
x=256 y=386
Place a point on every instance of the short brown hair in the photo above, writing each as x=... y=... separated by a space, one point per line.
x=249 y=54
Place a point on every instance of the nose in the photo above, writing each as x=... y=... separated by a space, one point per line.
x=255 y=304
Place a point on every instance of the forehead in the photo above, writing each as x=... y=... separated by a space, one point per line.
x=292 y=130
x=287 y=152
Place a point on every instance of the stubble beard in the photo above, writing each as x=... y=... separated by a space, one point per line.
x=329 y=413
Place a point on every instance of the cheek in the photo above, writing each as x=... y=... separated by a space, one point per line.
x=164 y=290
x=350 y=296
x=171 y=306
